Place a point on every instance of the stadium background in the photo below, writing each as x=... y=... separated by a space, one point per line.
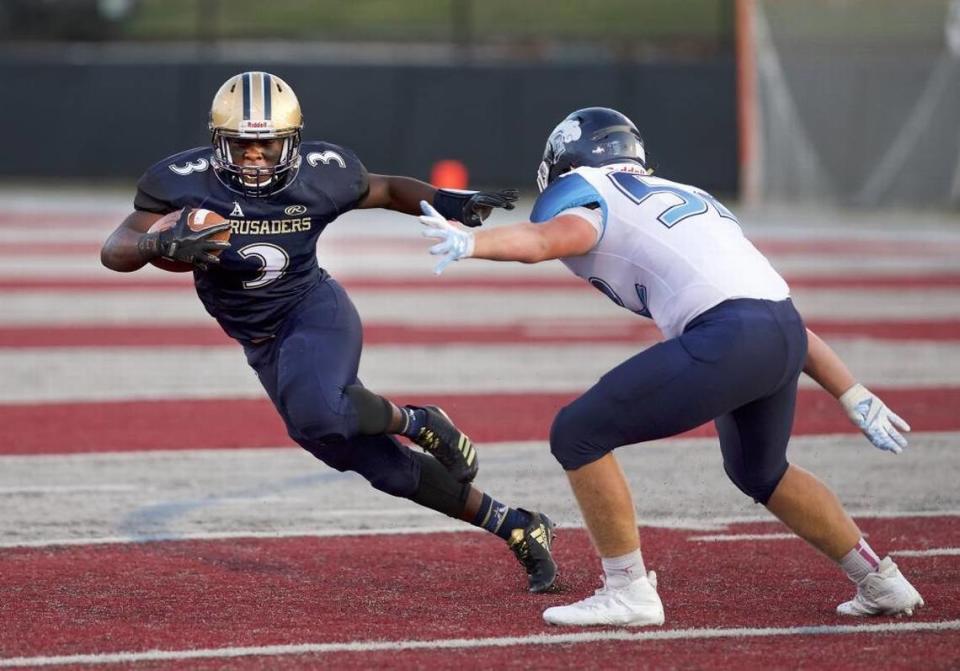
x=130 y=536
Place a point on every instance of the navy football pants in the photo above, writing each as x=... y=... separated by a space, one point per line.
x=305 y=369
x=736 y=364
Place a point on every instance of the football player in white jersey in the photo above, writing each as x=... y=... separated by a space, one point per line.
x=735 y=347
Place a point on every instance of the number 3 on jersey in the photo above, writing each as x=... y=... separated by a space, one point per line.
x=274 y=262
x=690 y=203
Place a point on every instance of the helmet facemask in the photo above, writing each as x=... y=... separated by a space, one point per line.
x=282 y=161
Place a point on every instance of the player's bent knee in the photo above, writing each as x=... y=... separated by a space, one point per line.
x=397 y=477
x=320 y=435
x=395 y=483
x=758 y=485
x=316 y=424
x=570 y=443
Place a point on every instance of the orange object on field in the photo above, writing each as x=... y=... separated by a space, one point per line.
x=449 y=174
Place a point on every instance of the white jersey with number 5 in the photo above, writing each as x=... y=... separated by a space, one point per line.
x=664 y=250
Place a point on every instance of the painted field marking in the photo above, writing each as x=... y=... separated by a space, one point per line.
x=931 y=552
x=467 y=643
x=693 y=523
x=229 y=535
x=744 y=537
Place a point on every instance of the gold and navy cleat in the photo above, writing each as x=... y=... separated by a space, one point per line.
x=531 y=547
x=448 y=444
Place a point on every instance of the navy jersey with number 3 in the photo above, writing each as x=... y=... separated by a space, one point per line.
x=272 y=260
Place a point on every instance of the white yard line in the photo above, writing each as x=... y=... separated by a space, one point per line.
x=226 y=535
x=77 y=374
x=466 y=307
x=744 y=537
x=491 y=642
x=456 y=527
x=931 y=552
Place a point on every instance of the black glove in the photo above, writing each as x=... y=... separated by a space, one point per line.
x=182 y=243
x=472 y=207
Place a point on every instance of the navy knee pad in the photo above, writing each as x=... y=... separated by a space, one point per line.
x=570 y=443
x=395 y=483
x=758 y=486
x=374 y=412
x=310 y=420
x=388 y=466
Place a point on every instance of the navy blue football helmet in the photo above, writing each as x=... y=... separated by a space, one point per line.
x=593 y=136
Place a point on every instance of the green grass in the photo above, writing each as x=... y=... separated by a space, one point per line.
x=858 y=21
x=429 y=20
x=625 y=22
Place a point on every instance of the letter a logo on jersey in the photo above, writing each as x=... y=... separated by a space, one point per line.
x=237 y=212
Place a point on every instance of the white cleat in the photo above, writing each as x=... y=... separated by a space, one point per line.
x=884 y=592
x=635 y=604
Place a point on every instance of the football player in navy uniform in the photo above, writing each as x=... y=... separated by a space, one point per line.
x=734 y=349
x=298 y=328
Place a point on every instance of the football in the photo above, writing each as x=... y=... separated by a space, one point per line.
x=198 y=220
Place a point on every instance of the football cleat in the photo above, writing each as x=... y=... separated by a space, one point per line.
x=635 y=604
x=448 y=445
x=531 y=547
x=883 y=592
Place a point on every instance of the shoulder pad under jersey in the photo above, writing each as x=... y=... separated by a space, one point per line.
x=570 y=190
x=172 y=180
x=338 y=170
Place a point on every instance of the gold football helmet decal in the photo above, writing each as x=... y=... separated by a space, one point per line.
x=255 y=107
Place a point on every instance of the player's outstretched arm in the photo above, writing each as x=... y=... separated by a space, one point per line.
x=826 y=367
x=121 y=250
x=403 y=194
x=562 y=236
x=878 y=423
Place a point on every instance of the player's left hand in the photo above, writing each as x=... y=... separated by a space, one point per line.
x=472 y=207
x=877 y=422
x=455 y=243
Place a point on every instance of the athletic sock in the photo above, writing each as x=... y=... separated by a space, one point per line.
x=414 y=420
x=860 y=562
x=623 y=570
x=499 y=519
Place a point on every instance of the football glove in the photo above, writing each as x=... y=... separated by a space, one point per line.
x=182 y=243
x=455 y=243
x=472 y=207
x=877 y=422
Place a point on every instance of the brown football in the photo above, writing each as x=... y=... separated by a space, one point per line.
x=198 y=220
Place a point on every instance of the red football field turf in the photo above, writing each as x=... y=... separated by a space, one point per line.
x=642 y=333
x=126 y=426
x=185 y=595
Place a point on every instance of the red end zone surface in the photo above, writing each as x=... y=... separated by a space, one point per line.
x=459 y=591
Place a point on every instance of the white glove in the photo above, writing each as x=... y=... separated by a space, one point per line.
x=871 y=415
x=455 y=243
